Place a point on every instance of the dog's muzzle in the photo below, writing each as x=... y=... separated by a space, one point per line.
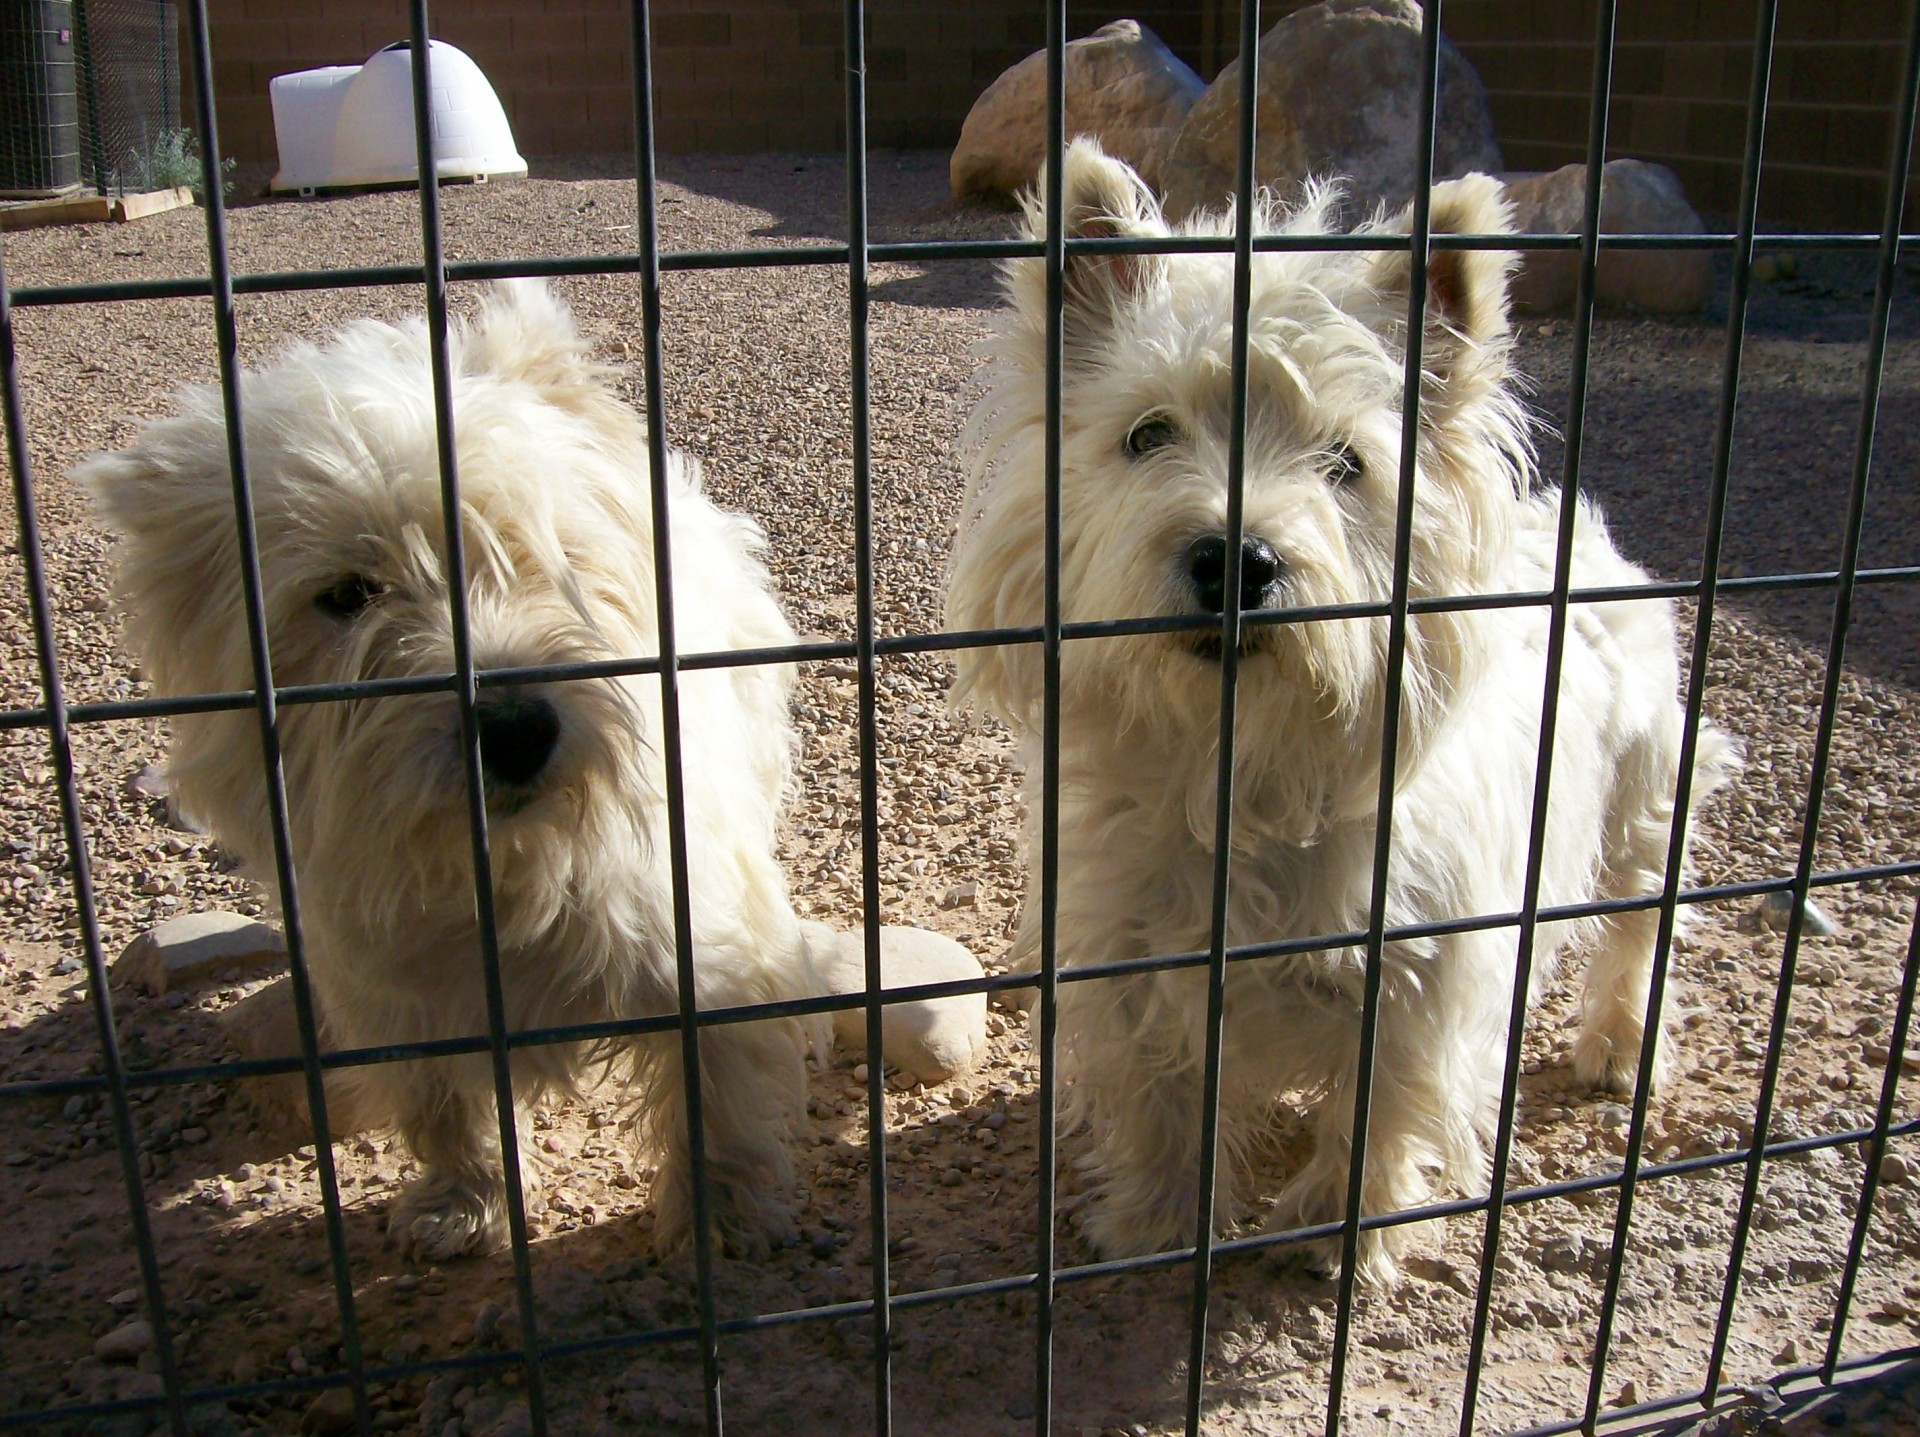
x=1261 y=572
x=518 y=735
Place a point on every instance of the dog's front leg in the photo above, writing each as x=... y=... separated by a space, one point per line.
x=1135 y=1081
x=1427 y=1095
x=753 y=1085
x=445 y=1111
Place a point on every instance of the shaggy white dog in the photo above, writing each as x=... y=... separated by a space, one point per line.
x=1146 y=403
x=558 y=534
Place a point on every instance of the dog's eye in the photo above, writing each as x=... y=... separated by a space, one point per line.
x=1156 y=431
x=347 y=596
x=1345 y=467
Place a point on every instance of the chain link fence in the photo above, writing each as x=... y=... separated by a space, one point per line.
x=90 y=98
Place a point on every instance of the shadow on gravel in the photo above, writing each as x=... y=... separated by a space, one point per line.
x=804 y=197
x=245 y=1262
x=1653 y=407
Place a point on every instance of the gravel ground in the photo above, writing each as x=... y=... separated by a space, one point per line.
x=758 y=386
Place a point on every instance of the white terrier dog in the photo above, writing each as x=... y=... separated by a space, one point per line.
x=1146 y=403
x=558 y=534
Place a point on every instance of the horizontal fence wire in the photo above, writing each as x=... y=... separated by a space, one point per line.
x=1011 y=981
x=913 y=252
x=532 y=1355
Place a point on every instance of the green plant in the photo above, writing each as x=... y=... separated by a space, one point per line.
x=171 y=159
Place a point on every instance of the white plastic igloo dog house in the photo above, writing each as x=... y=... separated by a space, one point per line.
x=350 y=125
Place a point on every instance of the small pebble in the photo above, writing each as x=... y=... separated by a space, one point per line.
x=126 y=1342
x=1776 y=906
x=486 y=1322
x=330 y=1412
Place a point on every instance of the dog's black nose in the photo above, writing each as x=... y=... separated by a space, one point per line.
x=1260 y=570
x=517 y=735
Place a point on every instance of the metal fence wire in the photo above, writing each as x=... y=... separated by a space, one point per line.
x=179 y=1405
x=127 y=57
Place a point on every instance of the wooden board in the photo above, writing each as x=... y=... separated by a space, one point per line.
x=92 y=209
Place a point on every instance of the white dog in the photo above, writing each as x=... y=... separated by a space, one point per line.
x=1146 y=403
x=558 y=535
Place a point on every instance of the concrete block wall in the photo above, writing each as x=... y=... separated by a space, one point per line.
x=767 y=75
x=1681 y=73
x=730 y=76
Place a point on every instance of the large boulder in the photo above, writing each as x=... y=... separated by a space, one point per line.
x=1635 y=198
x=1125 y=88
x=1339 y=95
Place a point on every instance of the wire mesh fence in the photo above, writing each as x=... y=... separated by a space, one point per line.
x=132 y=135
x=710 y=1322
x=92 y=98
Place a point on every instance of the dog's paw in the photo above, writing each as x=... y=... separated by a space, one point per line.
x=436 y=1219
x=753 y=1226
x=746 y=1222
x=1317 y=1198
x=1609 y=1065
x=1125 y=1220
x=1323 y=1258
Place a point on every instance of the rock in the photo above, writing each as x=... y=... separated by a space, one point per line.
x=515 y=1420
x=1895 y=1170
x=1774 y=908
x=1635 y=198
x=1125 y=88
x=330 y=1412
x=1564 y=1254
x=486 y=1322
x=266 y=1025
x=1339 y=96
x=961 y=895
x=931 y=1038
x=193 y=946
x=126 y=1342
x=152 y=783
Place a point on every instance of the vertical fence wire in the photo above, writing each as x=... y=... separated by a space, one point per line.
x=466 y=696
x=1568 y=515
x=858 y=379
x=1899 y=157
x=1207 y=1179
x=1698 y=661
x=1875 y=1151
x=1720 y=471
x=653 y=379
x=73 y=829
x=1413 y=370
x=226 y=332
x=1045 y=1036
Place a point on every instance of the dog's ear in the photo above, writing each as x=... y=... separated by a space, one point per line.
x=526 y=332
x=1466 y=309
x=177 y=570
x=1103 y=199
